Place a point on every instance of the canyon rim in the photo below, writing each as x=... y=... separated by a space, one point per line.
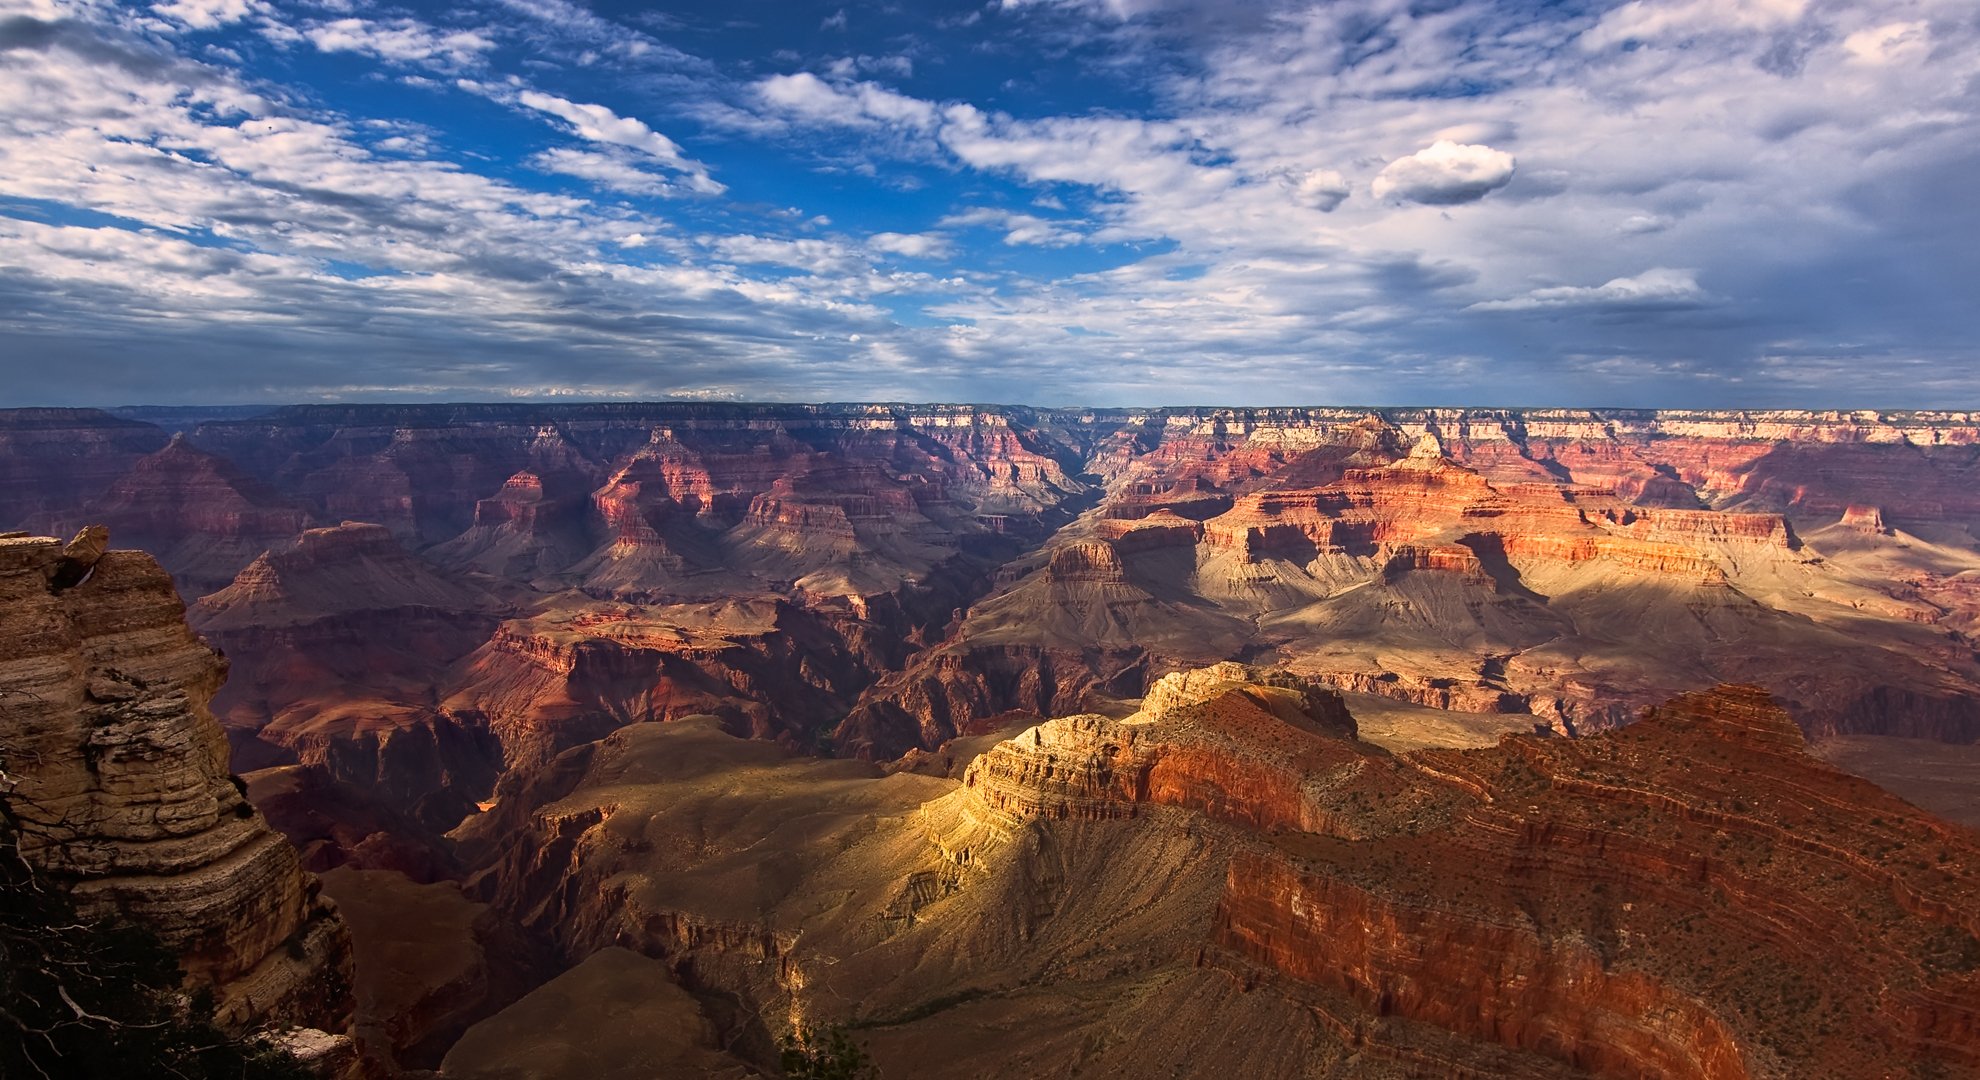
x=989 y=539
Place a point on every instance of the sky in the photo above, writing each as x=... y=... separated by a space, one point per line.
x=1652 y=203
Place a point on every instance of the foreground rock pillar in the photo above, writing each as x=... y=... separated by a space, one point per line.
x=122 y=793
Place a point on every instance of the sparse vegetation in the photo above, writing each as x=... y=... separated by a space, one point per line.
x=825 y=1054
x=100 y=999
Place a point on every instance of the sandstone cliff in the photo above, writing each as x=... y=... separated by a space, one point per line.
x=1226 y=878
x=124 y=793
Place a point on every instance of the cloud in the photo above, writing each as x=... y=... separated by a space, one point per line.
x=1018 y=229
x=1658 y=289
x=404 y=41
x=239 y=212
x=810 y=255
x=596 y=123
x=604 y=168
x=806 y=97
x=1322 y=189
x=571 y=32
x=208 y=14
x=1680 y=20
x=922 y=245
x=1891 y=41
x=1445 y=174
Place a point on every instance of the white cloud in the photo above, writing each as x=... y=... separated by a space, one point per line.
x=1322 y=189
x=404 y=41
x=804 y=96
x=603 y=168
x=1809 y=199
x=599 y=124
x=1891 y=41
x=208 y=14
x=922 y=245
x=810 y=255
x=1019 y=229
x=1445 y=173
x=1679 y=20
x=1652 y=290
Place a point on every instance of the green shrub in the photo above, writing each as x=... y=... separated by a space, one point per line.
x=811 y=1054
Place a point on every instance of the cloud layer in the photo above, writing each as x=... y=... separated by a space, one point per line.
x=1657 y=202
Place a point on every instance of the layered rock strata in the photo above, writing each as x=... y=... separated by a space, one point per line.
x=1229 y=874
x=123 y=792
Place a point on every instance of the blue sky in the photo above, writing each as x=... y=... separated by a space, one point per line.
x=1679 y=203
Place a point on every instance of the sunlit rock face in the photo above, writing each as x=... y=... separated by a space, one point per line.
x=1224 y=737
x=1231 y=873
x=448 y=598
x=1573 y=566
x=123 y=792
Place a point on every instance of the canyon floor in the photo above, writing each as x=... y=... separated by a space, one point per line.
x=1544 y=752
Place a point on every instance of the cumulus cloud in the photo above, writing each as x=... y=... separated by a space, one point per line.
x=599 y=124
x=810 y=255
x=404 y=41
x=245 y=215
x=1889 y=42
x=1445 y=174
x=922 y=245
x=1322 y=189
x=208 y=14
x=1019 y=229
x=1657 y=289
x=804 y=96
x=604 y=168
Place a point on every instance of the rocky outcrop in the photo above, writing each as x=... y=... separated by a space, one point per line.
x=1574 y=565
x=1868 y=519
x=1224 y=741
x=1690 y=897
x=535 y=525
x=124 y=795
x=773 y=669
x=936 y=568
x=352 y=567
x=1665 y=900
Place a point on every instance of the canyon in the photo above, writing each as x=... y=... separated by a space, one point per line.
x=1397 y=742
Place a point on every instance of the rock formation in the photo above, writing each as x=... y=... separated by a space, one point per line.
x=460 y=687
x=197 y=513
x=123 y=793
x=1230 y=877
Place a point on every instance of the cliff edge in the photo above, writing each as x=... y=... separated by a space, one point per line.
x=122 y=793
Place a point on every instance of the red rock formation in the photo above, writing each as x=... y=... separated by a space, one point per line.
x=1595 y=561
x=530 y=528
x=1867 y=519
x=1693 y=896
x=774 y=670
x=53 y=461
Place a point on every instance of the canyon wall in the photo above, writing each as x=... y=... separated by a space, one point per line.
x=421 y=599
x=1230 y=875
x=122 y=792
